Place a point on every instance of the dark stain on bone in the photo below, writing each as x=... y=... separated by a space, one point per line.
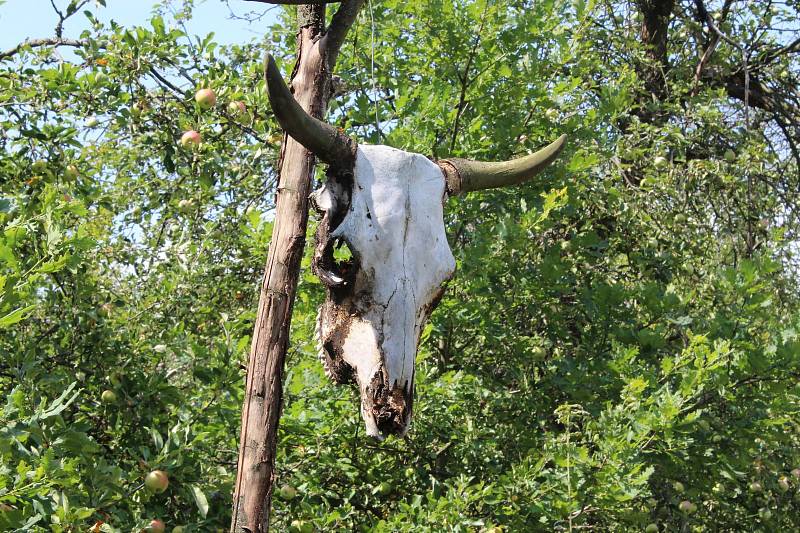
x=338 y=369
x=390 y=406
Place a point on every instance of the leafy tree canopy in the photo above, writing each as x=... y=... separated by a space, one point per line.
x=621 y=336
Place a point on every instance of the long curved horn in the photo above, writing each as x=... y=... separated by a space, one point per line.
x=324 y=140
x=464 y=175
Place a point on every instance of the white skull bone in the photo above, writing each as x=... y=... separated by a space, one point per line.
x=370 y=324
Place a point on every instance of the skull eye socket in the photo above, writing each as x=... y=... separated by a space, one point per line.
x=337 y=265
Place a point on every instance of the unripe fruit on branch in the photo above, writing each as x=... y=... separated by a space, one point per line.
x=300 y=526
x=287 y=492
x=156 y=526
x=237 y=109
x=191 y=138
x=185 y=205
x=755 y=487
x=730 y=155
x=651 y=528
x=205 y=98
x=71 y=172
x=108 y=396
x=156 y=481
x=687 y=507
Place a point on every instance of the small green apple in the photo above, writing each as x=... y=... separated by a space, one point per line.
x=301 y=526
x=783 y=484
x=91 y=122
x=679 y=488
x=755 y=487
x=156 y=526
x=287 y=492
x=730 y=155
x=687 y=507
x=185 y=205
x=651 y=528
x=108 y=396
x=205 y=98
x=191 y=139
x=71 y=172
x=539 y=353
x=237 y=109
x=114 y=379
x=156 y=481
x=385 y=488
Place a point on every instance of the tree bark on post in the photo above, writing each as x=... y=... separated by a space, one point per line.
x=317 y=50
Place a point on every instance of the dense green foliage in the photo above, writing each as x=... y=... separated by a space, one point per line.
x=620 y=336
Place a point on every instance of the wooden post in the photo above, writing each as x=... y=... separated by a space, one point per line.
x=317 y=50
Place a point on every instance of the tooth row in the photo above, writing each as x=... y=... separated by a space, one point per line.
x=320 y=350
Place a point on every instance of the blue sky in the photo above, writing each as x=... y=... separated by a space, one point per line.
x=21 y=19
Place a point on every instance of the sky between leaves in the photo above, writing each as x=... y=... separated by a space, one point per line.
x=32 y=19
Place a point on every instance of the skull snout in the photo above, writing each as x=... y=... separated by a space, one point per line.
x=386 y=410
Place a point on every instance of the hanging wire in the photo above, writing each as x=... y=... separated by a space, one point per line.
x=372 y=70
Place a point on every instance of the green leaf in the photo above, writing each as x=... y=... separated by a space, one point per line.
x=16 y=316
x=59 y=404
x=200 y=500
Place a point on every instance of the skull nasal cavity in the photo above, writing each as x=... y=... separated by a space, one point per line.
x=391 y=408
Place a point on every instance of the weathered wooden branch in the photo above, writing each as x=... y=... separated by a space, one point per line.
x=311 y=83
x=341 y=23
x=38 y=43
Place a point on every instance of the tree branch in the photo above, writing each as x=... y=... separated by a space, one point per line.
x=36 y=43
x=709 y=20
x=72 y=8
x=702 y=14
x=340 y=25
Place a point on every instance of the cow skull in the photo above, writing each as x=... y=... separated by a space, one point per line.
x=385 y=207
